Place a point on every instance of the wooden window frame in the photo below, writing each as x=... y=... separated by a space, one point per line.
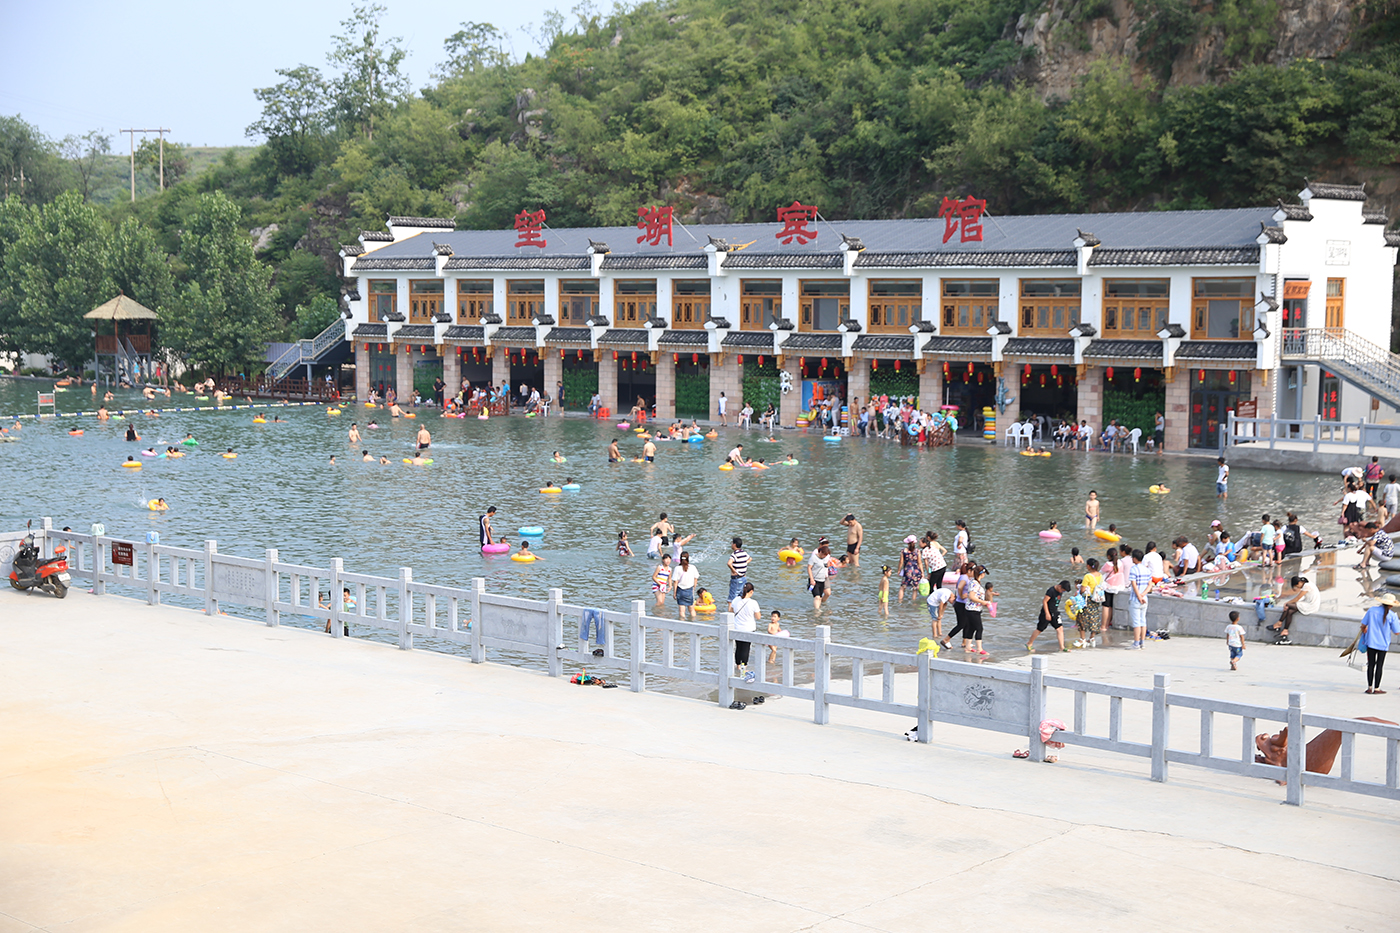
x=752 y=306
x=883 y=308
x=950 y=307
x=567 y=298
x=1335 y=309
x=1032 y=306
x=632 y=310
x=1200 y=309
x=688 y=312
x=806 y=304
x=473 y=306
x=521 y=306
x=1159 y=309
x=376 y=308
x=423 y=305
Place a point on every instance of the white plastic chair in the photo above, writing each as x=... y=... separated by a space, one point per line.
x=1028 y=431
x=1012 y=435
x=1133 y=437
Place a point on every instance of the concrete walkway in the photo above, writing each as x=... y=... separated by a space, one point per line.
x=167 y=771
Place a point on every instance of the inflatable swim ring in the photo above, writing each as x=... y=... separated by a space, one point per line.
x=149 y=453
x=174 y=454
x=229 y=456
x=726 y=466
x=1029 y=453
x=483 y=417
x=259 y=421
x=155 y=506
x=623 y=425
x=1159 y=489
x=831 y=437
x=426 y=460
x=370 y=405
x=560 y=460
x=132 y=465
x=523 y=558
x=1051 y=534
x=201 y=398
x=1108 y=536
x=76 y=432
x=550 y=490
x=531 y=531
x=332 y=411
x=695 y=439
x=190 y=442
x=787 y=463
x=569 y=487
x=787 y=554
x=703 y=607
x=712 y=434
x=495 y=548
x=409 y=414
x=528 y=414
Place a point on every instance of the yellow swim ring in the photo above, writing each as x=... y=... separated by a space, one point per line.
x=1029 y=453
x=705 y=607
x=409 y=460
x=259 y=421
x=726 y=466
x=332 y=411
x=522 y=558
x=155 y=506
x=1108 y=536
x=229 y=456
x=787 y=554
x=1158 y=489
x=551 y=489
x=409 y=414
x=712 y=434
x=132 y=465
x=370 y=405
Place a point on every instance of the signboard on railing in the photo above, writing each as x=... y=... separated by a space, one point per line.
x=9 y=545
x=123 y=554
x=977 y=698
x=510 y=623
x=236 y=584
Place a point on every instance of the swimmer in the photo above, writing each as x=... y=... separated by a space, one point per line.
x=649 y=451
x=623 y=548
x=188 y=439
x=419 y=460
x=790 y=461
x=152 y=414
x=277 y=420
x=568 y=481
x=614 y=455
x=373 y=425
x=525 y=550
x=383 y=460
x=395 y=410
x=131 y=434
x=736 y=456
x=107 y=396
x=102 y=414
x=332 y=460
x=366 y=456
x=160 y=505
x=557 y=458
x=229 y=451
x=424 y=438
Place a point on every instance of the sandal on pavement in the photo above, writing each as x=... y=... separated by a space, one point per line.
x=1020 y=754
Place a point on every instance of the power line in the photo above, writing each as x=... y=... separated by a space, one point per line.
x=132 y=135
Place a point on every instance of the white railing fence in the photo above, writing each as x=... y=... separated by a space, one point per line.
x=1007 y=700
x=1324 y=436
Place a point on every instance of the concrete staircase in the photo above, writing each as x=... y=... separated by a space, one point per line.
x=1366 y=365
x=312 y=352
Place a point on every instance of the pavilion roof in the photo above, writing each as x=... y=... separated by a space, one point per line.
x=122 y=308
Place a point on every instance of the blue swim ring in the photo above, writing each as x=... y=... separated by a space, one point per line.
x=533 y=531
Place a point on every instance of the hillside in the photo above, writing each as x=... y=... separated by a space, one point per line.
x=112 y=177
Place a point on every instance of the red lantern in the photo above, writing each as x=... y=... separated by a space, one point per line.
x=675 y=357
x=823 y=362
x=1042 y=380
x=1060 y=381
x=614 y=356
x=1137 y=374
x=969 y=367
x=580 y=354
x=1025 y=378
x=1201 y=376
x=760 y=359
x=1028 y=369
x=741 y=359
x=1232 y=377
x=896 y=365
x=945 y=370
x=979 y=378
x=1109 y=373
x=695 y=359
x=874 y=366
x=1054 y=370
x=836 y=370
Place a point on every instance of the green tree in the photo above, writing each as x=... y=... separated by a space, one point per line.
x=84 y=153
x=294 y=119
x=169 y=158
x=139 y=268
x=474 y=47
x=316 y=316
x=225 y=315
x=370 y=81
x=30 y=167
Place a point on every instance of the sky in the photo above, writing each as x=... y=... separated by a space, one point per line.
x=71 y=66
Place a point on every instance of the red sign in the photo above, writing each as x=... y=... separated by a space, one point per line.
x=529 y=224
x=122 y=554
x=655 y=223
x=963 y=215
x=794 y=219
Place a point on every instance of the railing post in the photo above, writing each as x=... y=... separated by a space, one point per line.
x=151 y=573
x=1229 y=438
x=1161 y=726
x=271 y=589
x=925 y=696
x=1361 y=437
x=338 y=626
x=821 y=713
x=1297 y=748
x=726 y=658
x=45 y=546
x=474 y=623
x=1317 y=432
x=1037 y=706
x=555 y=615
x=211 y=605
x=405 y=608
x=637 y=679
x=99 y=567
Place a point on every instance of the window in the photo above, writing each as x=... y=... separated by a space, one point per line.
x=690 y=304
x=760 y=303
x=383 y=296
x=1336 y=303
x=1134 y=308
x=1222 y=309
x=1049 y=306
x=475 y=300
x=895 y=304
x=634 y=300
x=524 y=299
x=424 y=301
x=969 y=305
x=578 y=301
x=823 y=304
x=1295 y=302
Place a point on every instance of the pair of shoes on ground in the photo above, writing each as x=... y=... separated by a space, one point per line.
x=1374 y=690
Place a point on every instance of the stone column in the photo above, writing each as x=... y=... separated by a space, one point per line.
x=403 y=373
x=858 y=385
x=607 y=381
x=553 y=375
x=361 y=371
x=727 y=377
x=931 y=386
x=1265 y=394
x=665 y=388
x=451 y=371
x=791 y=403
x=1011 y=376
x=1178 y=413
x=500 y=366
x=1091 y=397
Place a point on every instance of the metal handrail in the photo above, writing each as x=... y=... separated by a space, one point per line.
x=332 y=335
x=1370 y=361
x=284 y=363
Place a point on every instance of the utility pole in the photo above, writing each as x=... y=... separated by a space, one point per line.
x=132 y=135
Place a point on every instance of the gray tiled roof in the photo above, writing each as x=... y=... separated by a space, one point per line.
x=1392 y=238
x=813 y=260
x=683 y=261
x=1124 y=350
x=1225 y=256
x=530 y=262
x=1273 y=234
x=514 y=335
x=432 y=223
x=1039 y=346
x=414 y=332
x=371 y=330
x=882 y=343
x=442 y=249
x=377 y=263
x=748 y=339
x=377 y=236
x=1374 y=217
x=1295 y=211
x=812 y=342
x=568 y=335
x=1036 y=258
x=1328 y=192
x=973 y=346
x=1216 y=350
x=624 y=337
x=352 y=249
x=473 y=333
x=684 y=338
x=352 y=295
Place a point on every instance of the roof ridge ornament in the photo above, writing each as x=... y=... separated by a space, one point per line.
x=598 y=248
x=1086 y=239
x=852 y=243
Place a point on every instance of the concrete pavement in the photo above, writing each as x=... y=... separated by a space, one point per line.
x=161 y=770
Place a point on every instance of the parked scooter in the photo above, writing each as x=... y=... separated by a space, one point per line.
x=30 y=572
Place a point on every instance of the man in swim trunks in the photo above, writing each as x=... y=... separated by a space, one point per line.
x=614 y=455
x=354 y=433
x=424 y=438
x=662 y=526
x=736 y=456
x=855 y=536
x=1091 y=511
x=649 y=452
x=365 y=456
x=484 y=525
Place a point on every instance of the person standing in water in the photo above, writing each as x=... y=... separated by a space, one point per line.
x=484 y=526
x=424 y=438
x=1091 y=511
x=614 y=455
x=855 y=536
x=354 y=434
x=683 y=580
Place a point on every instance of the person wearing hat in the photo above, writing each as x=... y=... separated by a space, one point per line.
x=1377 y=625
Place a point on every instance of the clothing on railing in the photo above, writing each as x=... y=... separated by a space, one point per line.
x=592 y=619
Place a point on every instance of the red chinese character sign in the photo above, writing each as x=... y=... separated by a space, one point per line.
x=794 y=219
x=963 y=215
x=655 y=223
x=529 y=224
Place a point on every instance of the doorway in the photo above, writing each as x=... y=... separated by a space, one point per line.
x=1329 y=393
x=1214 y=394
